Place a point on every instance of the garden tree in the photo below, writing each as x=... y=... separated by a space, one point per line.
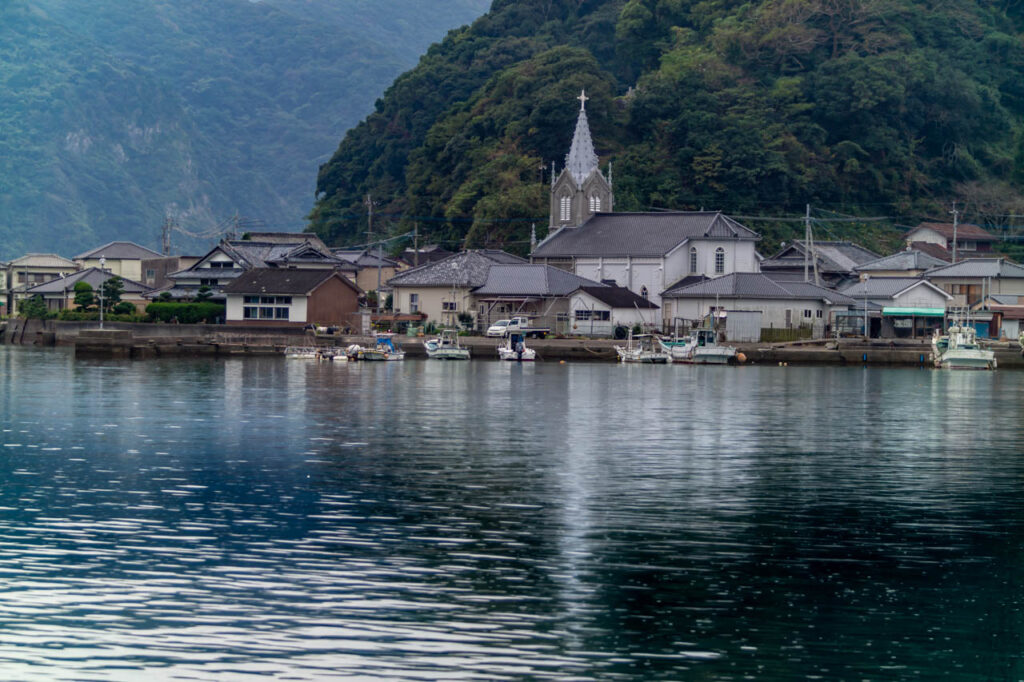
x=112 y=289
x=33 y=308
x=203 y=294
x=84 y=295
x=874 y=107
x=124 y=308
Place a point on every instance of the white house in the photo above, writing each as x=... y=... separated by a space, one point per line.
x=903 y=306
x=598 y=310
x=782 y=304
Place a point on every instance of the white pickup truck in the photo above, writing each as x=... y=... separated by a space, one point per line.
x=517 y=325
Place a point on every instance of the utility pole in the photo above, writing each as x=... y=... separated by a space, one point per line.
x=956 y=217
x=165 y=236
x=416 y=244
x=807 y=244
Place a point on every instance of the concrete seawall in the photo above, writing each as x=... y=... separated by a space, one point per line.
x=141 y=341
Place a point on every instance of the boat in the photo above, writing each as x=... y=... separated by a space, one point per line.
x=642 y=348
x=383 y=349
x=513 y=347
x=958 y=348
x=446 y=346
x=699 y=348
x=315 y=353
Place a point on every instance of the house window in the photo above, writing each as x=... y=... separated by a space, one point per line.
x=693 y=259
x=266 y=307
x=596 y=315
x=250 y=313
x=582 y=315
x=150 y=275
x=595 y=203
x=566 y=208
x=449 y=306
x=719 y=260
x=221 y=264
x=207 y=282
x=414 y=303
x=643 y=293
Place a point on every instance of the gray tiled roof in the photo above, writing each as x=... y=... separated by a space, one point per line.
x=120 y=251
x=618 y=297
x=254 y=254
x=282 y=281
x=978 y=267
x=832 y=256
x=364 y=258
x=527 y=279
x=463 y=269
x=42 y=260
x=886 y=287
x=639 y=234
x=911 y=259
x=93 y=276
x=756 y=285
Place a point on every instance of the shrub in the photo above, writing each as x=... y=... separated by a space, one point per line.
x=185 y=313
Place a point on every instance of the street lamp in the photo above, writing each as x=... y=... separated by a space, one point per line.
x=103 y=262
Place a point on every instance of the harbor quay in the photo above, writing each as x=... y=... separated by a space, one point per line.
x=143 y=341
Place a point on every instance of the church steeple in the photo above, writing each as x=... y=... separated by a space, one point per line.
x=580 y=190
x=581 y=160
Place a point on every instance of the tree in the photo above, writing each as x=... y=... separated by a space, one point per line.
x=85 y=297
x=204 y=294
x=33 y=308
x=112 y=290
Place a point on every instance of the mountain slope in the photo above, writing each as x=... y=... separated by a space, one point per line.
x=194 y=109
x=869 y=107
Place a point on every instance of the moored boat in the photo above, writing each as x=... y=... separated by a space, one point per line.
x=513 y=347
x=446 y=346
x=700 y=348
x=958 y=348
x=642 y=348
x=315 y=353
x=383 y=349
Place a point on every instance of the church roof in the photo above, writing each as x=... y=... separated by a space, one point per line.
x=581 y=160
x=639 y=234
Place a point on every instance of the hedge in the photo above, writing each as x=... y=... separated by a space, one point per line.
x=185 y=313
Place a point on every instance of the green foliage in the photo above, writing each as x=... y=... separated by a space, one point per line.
x=872 y=107
x=185 y=313
x=84 y=295
x=112 y=119
x=204 y=294
x=33 y=308
x=124 y=308
x=111 y=291
x=93 y=316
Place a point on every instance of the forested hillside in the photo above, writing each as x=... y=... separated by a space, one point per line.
x=115 y=115
x=870 y=108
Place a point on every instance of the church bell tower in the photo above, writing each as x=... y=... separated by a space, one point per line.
x=580 y=190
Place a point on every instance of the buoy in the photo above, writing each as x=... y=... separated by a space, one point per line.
x=741 y=358
x=780 y=364
x=561 y=362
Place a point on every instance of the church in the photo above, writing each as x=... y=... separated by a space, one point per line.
x=647 y=253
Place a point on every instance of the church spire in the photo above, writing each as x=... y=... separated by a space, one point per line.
x=581 y=160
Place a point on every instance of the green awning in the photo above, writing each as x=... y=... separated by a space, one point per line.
x=917 y=312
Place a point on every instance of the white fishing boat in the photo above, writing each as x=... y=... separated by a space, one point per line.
x=446 y=346
x=958 y=348
x=513 y=347
x=315 y=353
x=383 y=349
x=699 y=348
x=642 y=348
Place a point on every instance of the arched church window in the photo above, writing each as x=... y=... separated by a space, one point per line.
x=719 y=260
x=595 y=203
x=643 y=293
x=693 y=260
x=566 y=208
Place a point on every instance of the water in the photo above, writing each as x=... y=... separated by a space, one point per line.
x=427 y=520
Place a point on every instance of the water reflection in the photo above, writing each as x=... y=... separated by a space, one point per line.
x=501 y=521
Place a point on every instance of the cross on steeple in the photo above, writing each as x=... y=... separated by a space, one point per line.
x=583 y=99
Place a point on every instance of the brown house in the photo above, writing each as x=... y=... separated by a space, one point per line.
x=276 y=297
